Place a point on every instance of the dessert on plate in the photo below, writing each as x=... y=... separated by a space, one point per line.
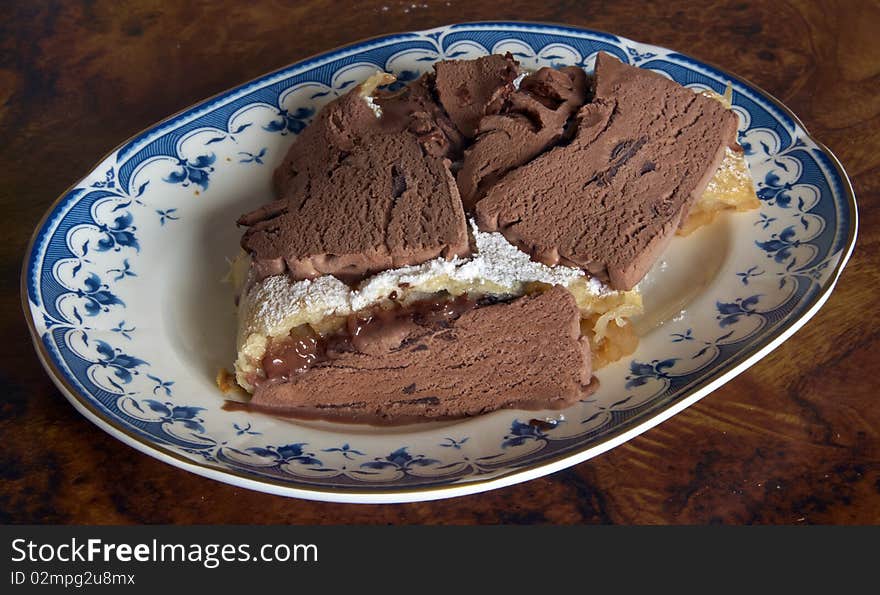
x=474 y=240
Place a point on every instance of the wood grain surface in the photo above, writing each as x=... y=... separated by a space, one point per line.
x=795 y=439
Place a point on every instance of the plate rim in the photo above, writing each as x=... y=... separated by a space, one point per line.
x=378 y=494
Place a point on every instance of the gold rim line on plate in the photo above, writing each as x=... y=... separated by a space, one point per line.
x=114 y=426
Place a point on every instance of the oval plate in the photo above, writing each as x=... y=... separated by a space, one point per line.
x=131 y=319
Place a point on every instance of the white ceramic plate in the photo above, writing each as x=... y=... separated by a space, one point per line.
x=130 y=318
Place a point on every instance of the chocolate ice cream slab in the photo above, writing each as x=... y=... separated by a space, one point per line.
x=527 y=353
x=361 y=194
x=611 y=199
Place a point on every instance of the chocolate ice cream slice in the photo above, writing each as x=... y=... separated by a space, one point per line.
x=533 y=118
x=361 y=194
x=610 y=201
x=462 y=359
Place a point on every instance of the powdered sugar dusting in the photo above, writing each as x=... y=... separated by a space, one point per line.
x=270 y=302
x=596 y=287
x=415 y=277
x=502 y=263
x=377 y=109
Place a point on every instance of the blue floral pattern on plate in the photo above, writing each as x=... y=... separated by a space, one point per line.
x=99 y=309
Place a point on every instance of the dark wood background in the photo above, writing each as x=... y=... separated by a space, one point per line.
x=796 y=439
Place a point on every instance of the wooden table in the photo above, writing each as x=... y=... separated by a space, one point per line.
x=796 y=439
